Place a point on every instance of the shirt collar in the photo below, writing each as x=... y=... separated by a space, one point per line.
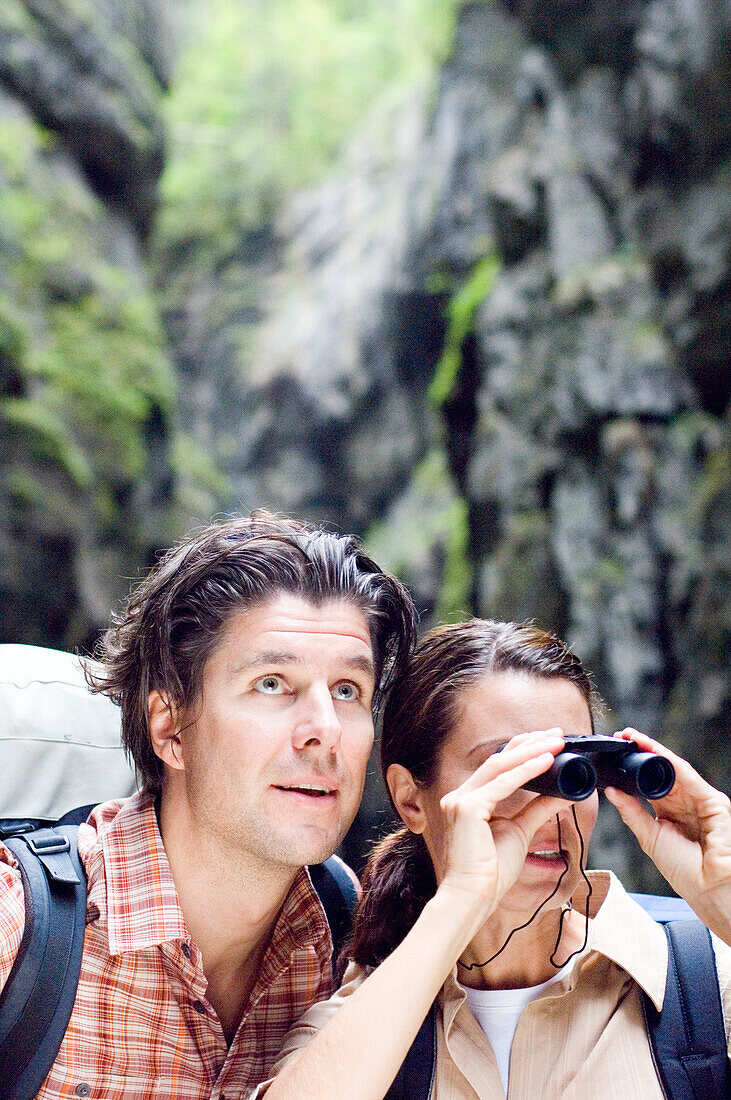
x=301 y=926
x=143 y=909
x=622 y=931
x=619 y=929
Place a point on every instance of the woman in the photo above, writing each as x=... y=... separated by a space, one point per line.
x=482 y=897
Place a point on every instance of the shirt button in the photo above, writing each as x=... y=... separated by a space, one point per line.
x=186 y=950
x=83 y=1089
x=199 y=1007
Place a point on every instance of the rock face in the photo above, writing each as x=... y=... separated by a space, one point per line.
x=92 y=74
x=494 y=341
x=87 y=406
x=584 y=426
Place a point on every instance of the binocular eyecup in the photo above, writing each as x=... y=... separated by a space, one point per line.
x=590 y=762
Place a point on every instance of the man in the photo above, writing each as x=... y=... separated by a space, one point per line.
x=247 y=666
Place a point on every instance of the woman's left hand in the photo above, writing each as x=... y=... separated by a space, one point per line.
x=689 y=839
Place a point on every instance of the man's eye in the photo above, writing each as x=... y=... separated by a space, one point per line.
x=345 y=691
x=270 y=685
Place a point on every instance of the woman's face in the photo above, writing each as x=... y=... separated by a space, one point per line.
x=494 y=710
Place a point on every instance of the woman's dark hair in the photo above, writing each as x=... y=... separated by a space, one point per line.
x=174 y=619
x=420 y=714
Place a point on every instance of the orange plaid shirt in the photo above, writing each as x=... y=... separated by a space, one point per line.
x=142 y=1026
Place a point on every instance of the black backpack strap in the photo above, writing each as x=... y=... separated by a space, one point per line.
x=339 y=896
x=39 y=994
x=415 y=1079
x=687 y=1037
x=77 y=816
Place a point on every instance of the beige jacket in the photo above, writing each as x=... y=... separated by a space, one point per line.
x=583 y=1038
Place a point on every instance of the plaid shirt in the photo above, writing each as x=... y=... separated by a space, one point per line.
x=142 y=1026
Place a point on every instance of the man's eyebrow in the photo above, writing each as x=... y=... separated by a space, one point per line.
x=265 y=657
x=361 y=664
x=284 y=657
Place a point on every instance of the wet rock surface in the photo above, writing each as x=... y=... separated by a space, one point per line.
x=572 y=463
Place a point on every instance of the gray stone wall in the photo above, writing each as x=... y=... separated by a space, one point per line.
x=494 y=342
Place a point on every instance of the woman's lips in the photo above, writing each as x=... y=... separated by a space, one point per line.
x=548 y=857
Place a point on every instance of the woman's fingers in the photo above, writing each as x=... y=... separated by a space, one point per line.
x=635 y=817
x=537 y=813
x=519 y=750
x=492 y=791
x=684 y=772
x=485 y=852
x=689 y=839
x=692 y=803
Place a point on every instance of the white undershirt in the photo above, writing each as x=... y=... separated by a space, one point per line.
x=497 y=1012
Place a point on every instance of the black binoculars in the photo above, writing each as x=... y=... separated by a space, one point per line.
x=590 y=762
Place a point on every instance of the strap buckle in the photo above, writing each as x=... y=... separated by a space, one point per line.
x=50 y=844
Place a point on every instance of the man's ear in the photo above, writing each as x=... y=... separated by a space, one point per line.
x=407 y=797
x=162 y=718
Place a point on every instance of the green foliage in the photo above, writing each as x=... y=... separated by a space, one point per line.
x=430 y=517
x=462 y=309
x=202 y=486
x=264 y=97
x=43 y=433
x=84 y=371
x=455 y=593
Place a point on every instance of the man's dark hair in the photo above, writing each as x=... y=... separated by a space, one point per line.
x=174 y=619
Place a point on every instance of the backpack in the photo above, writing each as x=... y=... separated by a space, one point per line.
x=60 y=745
x=687 y=1038
x=38 y=997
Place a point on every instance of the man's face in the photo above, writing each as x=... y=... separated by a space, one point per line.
x=275 y=749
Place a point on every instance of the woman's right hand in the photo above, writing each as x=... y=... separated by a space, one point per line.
x=360 y=1049
x=485 y=850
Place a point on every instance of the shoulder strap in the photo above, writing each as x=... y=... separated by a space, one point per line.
x=39 y=994
x=415 y=1078
x=687 y=1037
x=338 y=893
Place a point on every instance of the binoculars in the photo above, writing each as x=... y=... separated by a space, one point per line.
x=590 y=762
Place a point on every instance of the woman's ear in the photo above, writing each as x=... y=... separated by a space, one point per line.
x=162 y=719
x=407 y=797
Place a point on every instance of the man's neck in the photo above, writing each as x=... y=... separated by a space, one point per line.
x=230 y=904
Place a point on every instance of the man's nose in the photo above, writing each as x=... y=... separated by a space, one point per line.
x=317 y=724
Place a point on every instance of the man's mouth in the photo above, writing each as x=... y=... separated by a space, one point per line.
x=311 y=790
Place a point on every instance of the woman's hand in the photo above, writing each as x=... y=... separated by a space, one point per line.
x=485 y=852
x=689 y=839
x=358 y=1053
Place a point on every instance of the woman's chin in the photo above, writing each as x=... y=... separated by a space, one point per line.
x=537 y=881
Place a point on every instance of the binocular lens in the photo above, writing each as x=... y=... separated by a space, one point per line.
x=576 y=778
x=653 y=775
x=571 y=776
x=604 y=762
